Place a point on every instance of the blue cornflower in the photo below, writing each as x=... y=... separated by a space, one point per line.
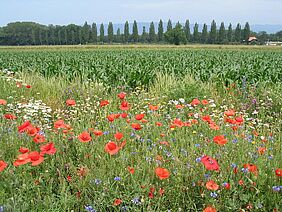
x=245 y=170
x=136 y=201
x=117 y=179
x=197 y=145
x=207 y=176
x=89 y=208
x=214 y=195
x=1 y=208
x=97 y=181
x=276 y=188
x=198 y=160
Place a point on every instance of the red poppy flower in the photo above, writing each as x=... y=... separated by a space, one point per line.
x=123 y=115
x=211 y=185
x=124 y=106
x=227 y=186
x=159 y=124
x=239 y=120
x=117 y=202
x=28 y=86
x=111 y=117
x=195 y=102
x=139 y=116
x=219 y=139
x=136 y=126
x=39 y=138
x=261 y=150
x=18 y=84
x=22 y=159
x=162 y=173
x=161 y=191
x=118 y=135
x=10 y=116
x=210 y=163
x=3 y=102
x=213 y=126
x=179 y=106
x=24 y=126
x=35 y=158
x=104 y=103
x=98 y=132
x=23 y=150
x=60 y=124
x=112 y=148
x=229 y=113
x=70 y=102
x=205 y=102
x=278 y=172
x=151 y=195
x=3 y=165
x=32 y=131
x=131 y=169
x=48 y=149
x=121 y=95
x=209 y=209
x=84 y=137
x=153 y=107
x=251 y=167
x=207 y=118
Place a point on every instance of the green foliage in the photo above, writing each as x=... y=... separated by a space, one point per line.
x=152 y=33
x=135 y=32
x=176 y=36
x=126 y=32
x=222 y=34
x=205 y=34
x=110 y=32
x=196 y=36
x=102 y=33
x=213 y=33
x=160 y=31
x=187 y=30
x=238 y=35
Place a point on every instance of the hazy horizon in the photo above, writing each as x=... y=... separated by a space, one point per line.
x=63 y=12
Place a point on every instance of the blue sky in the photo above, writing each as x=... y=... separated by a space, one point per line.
x=78 y=11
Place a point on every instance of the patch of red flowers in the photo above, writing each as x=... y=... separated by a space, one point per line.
x=162 y=173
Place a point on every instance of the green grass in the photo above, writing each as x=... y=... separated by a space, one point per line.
x=93 y=172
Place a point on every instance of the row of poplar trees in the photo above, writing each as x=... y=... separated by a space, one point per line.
x=30 y=33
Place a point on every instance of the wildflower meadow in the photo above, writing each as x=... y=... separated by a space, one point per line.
x=140 y=129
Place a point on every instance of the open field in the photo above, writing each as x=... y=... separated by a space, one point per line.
x=140 y=128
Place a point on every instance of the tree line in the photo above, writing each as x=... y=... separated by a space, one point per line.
x=30 y=33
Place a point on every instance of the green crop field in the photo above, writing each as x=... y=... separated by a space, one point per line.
x=141 y=128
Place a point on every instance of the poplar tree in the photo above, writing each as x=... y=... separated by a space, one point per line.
x=205 y=34
x=213 y=33
x=118 y=36
x=102 y=33
x=144 y=35
x=169 y=25
x=110 y=32
x=94 y=33
x=126 y=32
x=152 y=34
x=238 y=33
x=221 y=33
x=196 y=33
x=135 y=32
x=187 y=30
x=230 y=33
x=160 y=31
x=247 y=31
